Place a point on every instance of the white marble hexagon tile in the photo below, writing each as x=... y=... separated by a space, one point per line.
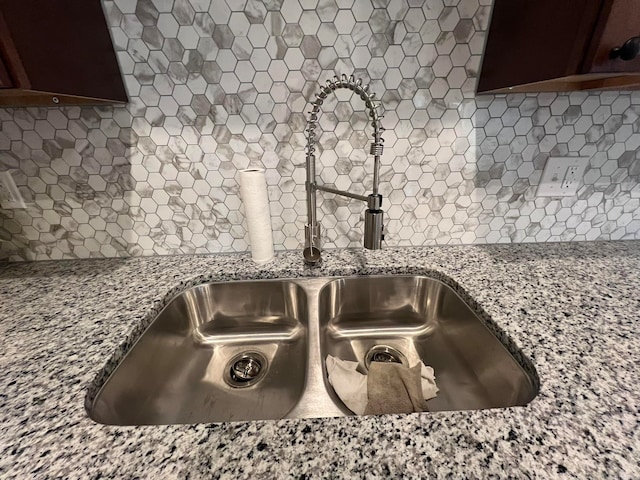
x=217 y=86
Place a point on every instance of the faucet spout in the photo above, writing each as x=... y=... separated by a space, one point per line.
x=373 y=224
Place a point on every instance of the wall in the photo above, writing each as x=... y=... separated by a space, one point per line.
x=216 y=87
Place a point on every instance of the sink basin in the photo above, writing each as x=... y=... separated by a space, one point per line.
x=250 y=350
x=421 y=319
x=217 y=352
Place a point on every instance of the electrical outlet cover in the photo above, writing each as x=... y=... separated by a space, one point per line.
x=562 y=176
x=10 y=197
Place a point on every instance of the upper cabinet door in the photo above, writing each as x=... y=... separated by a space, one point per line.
x=619 y=22
x=536 y=40
x=58 y=51
x=5 y=79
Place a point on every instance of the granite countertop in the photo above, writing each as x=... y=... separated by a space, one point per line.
x=573 y=309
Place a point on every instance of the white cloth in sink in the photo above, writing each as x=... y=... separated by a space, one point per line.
x=351 y=385
x=429 y=387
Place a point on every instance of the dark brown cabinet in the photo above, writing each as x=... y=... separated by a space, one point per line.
x=621 y=23
x=57 y=52
x=547 y=45
x=5 y=79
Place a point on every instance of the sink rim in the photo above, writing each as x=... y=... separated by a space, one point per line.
x=307 y=283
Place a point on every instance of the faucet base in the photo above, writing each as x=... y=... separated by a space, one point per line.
x=311 y=252
x=312 y=256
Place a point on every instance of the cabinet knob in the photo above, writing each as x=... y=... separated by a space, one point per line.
x=628 y=51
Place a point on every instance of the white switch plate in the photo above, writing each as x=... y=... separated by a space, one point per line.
x=562 y=176
x=10 y=197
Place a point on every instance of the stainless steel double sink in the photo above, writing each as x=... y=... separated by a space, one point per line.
x=250 y=350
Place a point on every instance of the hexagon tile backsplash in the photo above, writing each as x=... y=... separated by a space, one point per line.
x=219 y=86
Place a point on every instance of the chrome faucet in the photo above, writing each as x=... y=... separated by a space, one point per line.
x=373 y=216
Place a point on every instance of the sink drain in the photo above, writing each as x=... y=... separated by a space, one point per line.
x=385 y=354
x=245 y=369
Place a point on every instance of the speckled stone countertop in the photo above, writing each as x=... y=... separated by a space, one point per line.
x=573 y=309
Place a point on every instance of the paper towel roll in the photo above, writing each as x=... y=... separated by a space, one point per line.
x=253 y=192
